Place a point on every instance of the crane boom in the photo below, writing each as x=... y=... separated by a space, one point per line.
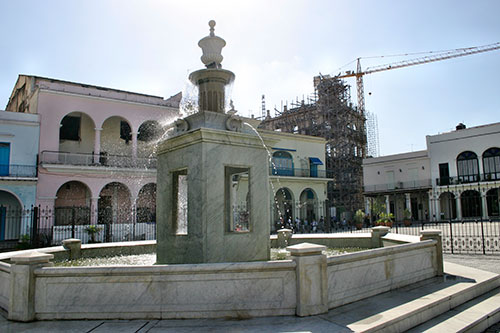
x=435 y=57
x=438 y=56
x=406 y=63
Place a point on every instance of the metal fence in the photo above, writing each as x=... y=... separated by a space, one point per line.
x=471 y=236
x=41 y=227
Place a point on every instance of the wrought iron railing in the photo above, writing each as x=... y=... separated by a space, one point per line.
x=414 y=184
x=456 y=180
x=100 y=160
x=15 y=170
x=295 y=172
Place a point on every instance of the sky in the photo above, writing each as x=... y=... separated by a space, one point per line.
x=274 y=48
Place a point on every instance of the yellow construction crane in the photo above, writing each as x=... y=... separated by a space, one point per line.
x=431 y=57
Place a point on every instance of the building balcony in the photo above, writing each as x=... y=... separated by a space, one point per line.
x=294 y=172
x=457 y=180
x=17 y=171
x=421 y=184
x=94 y=160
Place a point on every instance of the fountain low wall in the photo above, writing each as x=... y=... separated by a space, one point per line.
x=180 y=291
x=363 y=274
x=308 y=284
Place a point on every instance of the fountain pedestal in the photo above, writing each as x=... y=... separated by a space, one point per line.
x=206 y=156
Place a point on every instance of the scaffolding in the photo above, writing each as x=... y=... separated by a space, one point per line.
x=329 y=114
x=372 y=135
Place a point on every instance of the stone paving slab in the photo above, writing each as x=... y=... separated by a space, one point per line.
x=255 y=325
x=489 y=262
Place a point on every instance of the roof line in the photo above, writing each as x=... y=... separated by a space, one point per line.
x=84 y=85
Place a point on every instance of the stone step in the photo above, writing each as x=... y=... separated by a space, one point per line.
x=408 y=307
x=473 y=316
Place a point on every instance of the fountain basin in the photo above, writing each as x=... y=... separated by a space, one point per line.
x=308 y=283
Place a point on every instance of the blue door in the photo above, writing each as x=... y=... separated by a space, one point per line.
x=314 y=170
x=3 y=212
x=4 y=158
x=313 y=166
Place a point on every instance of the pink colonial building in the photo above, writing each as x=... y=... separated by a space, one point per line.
x=96 y=157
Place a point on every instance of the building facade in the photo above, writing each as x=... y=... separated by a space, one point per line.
x=93 y=155
x=19 y=135
x=456 y=177
x=96 y=161
x=465 y=168
x=298 y=177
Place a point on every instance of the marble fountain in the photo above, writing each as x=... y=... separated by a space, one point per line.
x=212 y=254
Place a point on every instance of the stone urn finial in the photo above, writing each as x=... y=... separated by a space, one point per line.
x=212 y=48
x=211 y=24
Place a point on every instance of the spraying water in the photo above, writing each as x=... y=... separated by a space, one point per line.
x=275 y=171
x=189 y=102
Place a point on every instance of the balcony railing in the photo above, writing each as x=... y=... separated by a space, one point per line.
x=484 y=177
x=294 y=172
x=101 y=160
x=15 y=170
x=409 y=185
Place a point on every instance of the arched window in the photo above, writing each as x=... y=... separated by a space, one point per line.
x=491 y=164
x=467 y=167
x=282 y=164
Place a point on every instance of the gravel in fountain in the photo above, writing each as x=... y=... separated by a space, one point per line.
x=150 y=258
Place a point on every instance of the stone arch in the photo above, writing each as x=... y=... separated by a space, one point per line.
x=470 y=201
x=308 y=205
x=448 y=206
x=11 y=213
x=77 y=132
x=115 y=204
x=467 y=167
x=116 y=136
x=146 y=204
x=72 y=204
x=493 y=202
x=284 y=204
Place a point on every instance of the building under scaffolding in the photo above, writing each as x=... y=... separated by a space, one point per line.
x=330 y=114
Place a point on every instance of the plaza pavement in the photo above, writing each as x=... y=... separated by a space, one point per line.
x=315 y=324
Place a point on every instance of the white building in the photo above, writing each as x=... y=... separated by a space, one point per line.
x=457 y=177
x=298 y=176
